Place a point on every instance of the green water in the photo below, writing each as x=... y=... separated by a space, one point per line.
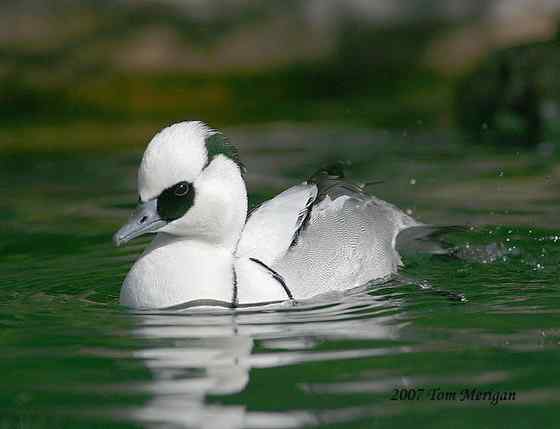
x=72 y=357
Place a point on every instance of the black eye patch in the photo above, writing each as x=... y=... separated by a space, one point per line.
x=175 y=201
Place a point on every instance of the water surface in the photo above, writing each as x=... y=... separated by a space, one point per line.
x=72 y=357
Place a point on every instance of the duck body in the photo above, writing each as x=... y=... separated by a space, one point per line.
x=160 y=278
x=323 y=235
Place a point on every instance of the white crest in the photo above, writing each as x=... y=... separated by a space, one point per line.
x=177 y=153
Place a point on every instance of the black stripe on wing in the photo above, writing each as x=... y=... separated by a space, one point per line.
x=303 y=220
x=235 y=292
x=326 y=179
x=276 y=276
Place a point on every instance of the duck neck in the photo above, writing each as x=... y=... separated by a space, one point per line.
x=226 y=212
x=218 y=215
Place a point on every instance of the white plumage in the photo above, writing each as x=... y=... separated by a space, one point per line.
x=322 y=235
x=270 y=229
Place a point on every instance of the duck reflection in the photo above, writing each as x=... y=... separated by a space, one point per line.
x=195 y=355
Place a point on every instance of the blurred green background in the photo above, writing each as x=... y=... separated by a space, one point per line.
x=454 y=104
x=115 y=71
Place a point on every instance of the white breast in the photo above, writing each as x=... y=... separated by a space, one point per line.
x=171 y=272
x=175 y=272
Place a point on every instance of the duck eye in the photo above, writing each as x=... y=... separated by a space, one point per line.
x=175 y=201
x=181 y=189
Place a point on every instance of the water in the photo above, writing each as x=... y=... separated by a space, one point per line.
x=71 y=357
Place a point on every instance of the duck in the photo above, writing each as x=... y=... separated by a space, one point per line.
x=323 y=235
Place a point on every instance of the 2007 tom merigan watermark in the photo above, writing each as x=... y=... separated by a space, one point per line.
x=473 y=394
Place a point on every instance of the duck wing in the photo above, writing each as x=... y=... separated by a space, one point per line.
x=272 y=227
x=275 y=227
x=329 y=234
x=349 y=239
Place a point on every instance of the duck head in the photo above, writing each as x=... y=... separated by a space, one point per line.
x=190 y=185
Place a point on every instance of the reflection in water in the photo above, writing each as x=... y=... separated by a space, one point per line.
x=335 y=360
x=66 y=346
x=196 y=354
x=200 y=360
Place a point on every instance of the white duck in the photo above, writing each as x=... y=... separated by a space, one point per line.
x=322 y=235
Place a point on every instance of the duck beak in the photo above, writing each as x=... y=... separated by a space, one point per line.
x=144 y=220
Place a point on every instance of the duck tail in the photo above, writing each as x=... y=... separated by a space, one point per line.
x=426 y=239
